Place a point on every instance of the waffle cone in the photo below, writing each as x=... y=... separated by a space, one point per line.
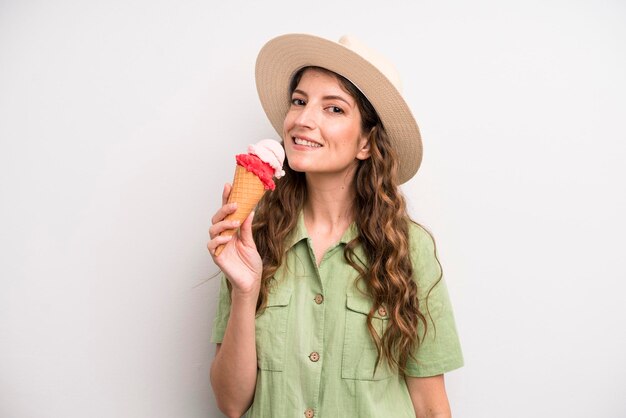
x=247 y=191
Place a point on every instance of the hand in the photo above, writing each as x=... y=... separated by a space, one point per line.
x=239 y=260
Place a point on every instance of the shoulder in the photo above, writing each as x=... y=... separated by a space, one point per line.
x=427 y=269
x=420 y=239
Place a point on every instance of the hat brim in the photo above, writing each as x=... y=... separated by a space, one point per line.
x=283 y=56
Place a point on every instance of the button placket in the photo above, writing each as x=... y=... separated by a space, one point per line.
x=318 y=331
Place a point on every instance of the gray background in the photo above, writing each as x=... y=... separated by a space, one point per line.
x=118 y=125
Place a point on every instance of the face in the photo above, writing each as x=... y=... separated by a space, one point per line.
x=322 y=129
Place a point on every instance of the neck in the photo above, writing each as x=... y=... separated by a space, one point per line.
x=329 y=202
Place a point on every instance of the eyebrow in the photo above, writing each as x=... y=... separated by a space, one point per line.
x=329 y=97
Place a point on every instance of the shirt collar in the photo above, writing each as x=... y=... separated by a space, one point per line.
x=300 y=232
x=351 y=233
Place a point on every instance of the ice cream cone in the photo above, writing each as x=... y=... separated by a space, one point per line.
x=247 y=191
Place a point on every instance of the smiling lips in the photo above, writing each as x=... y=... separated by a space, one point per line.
x=306 y=143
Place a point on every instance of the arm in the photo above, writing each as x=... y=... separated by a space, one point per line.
x=439 y=351
x=234 y=368
x=429 y=397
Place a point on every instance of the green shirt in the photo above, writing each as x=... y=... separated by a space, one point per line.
x=315 y=354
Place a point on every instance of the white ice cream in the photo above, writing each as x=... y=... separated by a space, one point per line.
x=271 y=152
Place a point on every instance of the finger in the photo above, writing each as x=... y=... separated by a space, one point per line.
x=246 y=232
x=217 y=242
x=226 y=193
x=223 y=212
x=225 y=225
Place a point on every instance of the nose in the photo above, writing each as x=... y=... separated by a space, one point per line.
x=305 y=117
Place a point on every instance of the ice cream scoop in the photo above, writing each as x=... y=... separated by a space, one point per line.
x=271 y=152
x=254 y=175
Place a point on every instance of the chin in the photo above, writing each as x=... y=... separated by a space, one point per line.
x=297 y=163
x=297 y=167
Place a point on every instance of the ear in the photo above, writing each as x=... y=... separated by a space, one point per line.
x=364 y=148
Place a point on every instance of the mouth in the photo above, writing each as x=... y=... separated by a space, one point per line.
x=305 y=142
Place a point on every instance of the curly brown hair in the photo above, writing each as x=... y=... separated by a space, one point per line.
x=383 y=224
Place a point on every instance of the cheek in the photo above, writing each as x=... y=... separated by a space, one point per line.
x=285 y=125
x=288 y=151
x=288 y=121
x=348 y=136
x=291 y=116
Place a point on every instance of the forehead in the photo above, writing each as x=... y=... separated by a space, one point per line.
x=314 y=77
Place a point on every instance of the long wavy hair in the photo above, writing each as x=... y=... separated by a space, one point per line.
x=379 y=212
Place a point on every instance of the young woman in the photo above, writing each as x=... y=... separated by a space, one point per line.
x=332 y=302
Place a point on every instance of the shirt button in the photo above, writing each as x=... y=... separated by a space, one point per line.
x=382 y=311
x=314 y=356
x=308 y=413
x=319 y=299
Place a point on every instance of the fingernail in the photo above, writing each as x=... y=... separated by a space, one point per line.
x=236 y=223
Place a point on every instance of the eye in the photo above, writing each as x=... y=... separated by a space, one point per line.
x=298 y=102
x=335 y=109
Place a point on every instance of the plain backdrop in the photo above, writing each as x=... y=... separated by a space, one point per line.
x=119 y=121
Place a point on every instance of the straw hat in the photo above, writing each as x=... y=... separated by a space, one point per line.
x=371 y=73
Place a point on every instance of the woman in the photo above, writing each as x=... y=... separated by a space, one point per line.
x=332 y=303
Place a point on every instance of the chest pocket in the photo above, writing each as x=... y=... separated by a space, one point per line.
x=271 y=330
x=359 y=350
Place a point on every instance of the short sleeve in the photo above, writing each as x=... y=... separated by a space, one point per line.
x=223 y=313
x=439 y=351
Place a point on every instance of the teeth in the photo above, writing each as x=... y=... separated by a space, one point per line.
x=304 y=142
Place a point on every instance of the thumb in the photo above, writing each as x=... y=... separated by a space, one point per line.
x=246 y=231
